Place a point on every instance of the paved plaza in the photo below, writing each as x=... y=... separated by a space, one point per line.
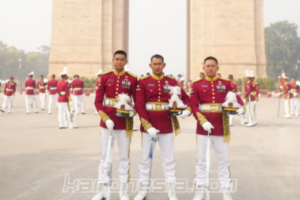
x=41 y=162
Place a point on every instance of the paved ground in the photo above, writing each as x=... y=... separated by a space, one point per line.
x=36 y=157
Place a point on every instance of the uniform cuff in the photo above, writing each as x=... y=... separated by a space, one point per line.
x=201 y=118
x=103 y=116
x=146 y=125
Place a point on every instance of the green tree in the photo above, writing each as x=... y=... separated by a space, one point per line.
x=282 y=49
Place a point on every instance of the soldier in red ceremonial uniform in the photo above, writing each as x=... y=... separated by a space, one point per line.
x=77 y=87
x=234 y=86
x=53 y=92
x=287 y=96
x=249 y=100
x=30 y=86
x=255 y=93
x=63 y=101
x=152 y=99
x=206 y=102
x=113 y=84
x=98 y=83
x=295 y=89
x=41 y=86
x=9 y=92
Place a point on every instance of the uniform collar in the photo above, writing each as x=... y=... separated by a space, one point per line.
x=211 y=79
x=119 y=74
x=158 y=78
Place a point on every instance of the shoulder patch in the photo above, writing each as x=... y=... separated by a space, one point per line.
x=133 y=75
x=107 y=72
x=198 y=80
x=144 y=77
x=172 y=77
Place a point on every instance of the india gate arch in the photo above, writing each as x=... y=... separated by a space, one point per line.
x=85 y=33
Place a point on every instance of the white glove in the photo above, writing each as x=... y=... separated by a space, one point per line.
x=207 y=126
x=131 y=113
x=240 y=111
x=254 y=103
x=184 y=114
x=153 y=132
x=295 y=94
x=110 y=125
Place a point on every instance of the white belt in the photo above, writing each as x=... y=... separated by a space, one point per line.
x=211 y=108
x=156 y=107
x=9 y=90
x=62 y=93
x=29 y=88
x=53 y=88
x=77 y=88
x=111 y=102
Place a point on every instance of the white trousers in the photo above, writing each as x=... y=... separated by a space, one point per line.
x=52 y=98
x=64 y=111
x=7 y=102
x=42 y=100
x=78 y=101
x=249 y=114
x=124 y=148
x=288 y=104
x=30 y=101
x=230 y=119
x=166 y=144
x=221 y=152
x=295 y=106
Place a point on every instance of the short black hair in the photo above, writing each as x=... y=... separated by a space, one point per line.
x=121 y=52
x=202 y=73
x=53 y=76
x=157 y=56
x=76 y=75
x=42 y=76
x=210 y=58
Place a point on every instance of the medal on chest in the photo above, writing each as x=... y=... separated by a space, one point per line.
x=221 y=88
x=166 y=87
x=126 y=84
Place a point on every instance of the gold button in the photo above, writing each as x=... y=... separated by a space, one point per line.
x=117 y=84
x=158 y=88
x=213 y=93
x=117 y=88
x=213 y=101
x=158 y=96
x=213 y=97
x=159 y=93
x=158 y=99
x=118 y=76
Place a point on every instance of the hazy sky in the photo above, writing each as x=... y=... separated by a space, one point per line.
x=156 y=26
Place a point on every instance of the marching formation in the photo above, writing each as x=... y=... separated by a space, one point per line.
x=158 y=100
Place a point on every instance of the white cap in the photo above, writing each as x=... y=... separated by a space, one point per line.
x=31 y=73
x=99 y=72
x=182 y=78
x=249 y=73
x=283 y=75
x=65 y=71
x=45 y=80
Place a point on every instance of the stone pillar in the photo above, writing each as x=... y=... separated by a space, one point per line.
x=228 y=30
x=85 y=33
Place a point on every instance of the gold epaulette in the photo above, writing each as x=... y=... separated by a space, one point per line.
x=144 y=77
x=233 y=82
x=133 y=75
x=198 y=80
x=107 y=72
x=170 y=77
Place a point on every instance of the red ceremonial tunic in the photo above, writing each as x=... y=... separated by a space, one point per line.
x=63 y=91
x=207 y=97
x=234 y=86
x=52 y=86
x=249 y=89
x=256 y=91
x=77 y=87
x=111 y=85
x=286 y=91
x=154 y=91
x=30 y=86
x=295 y=89
x=41 y=86
x=98 y=83
x=10 y=88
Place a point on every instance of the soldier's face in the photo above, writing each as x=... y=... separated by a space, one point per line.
x=293 y=80
x=210 y=68
x=119 y=61
x=157 y=66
